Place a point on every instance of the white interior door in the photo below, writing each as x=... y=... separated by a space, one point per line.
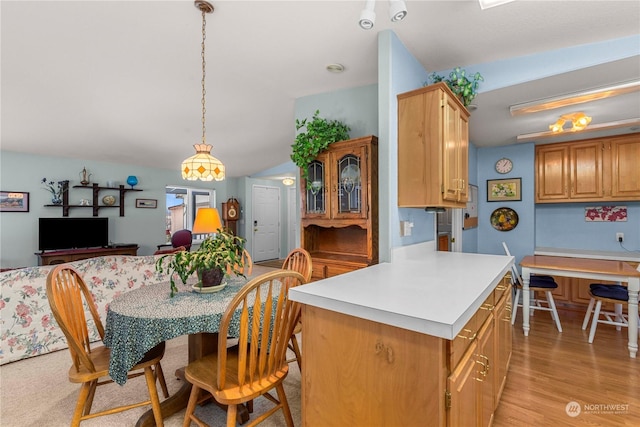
x=292 y=218
x=266 y=223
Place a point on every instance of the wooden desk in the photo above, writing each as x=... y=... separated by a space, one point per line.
x=596 y=269
x=61 y=257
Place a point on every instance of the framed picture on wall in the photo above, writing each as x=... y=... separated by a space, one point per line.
x=501 y=190
x=146 y=203
x=14 y=201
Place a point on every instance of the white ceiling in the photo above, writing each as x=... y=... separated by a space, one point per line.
x=119 y=81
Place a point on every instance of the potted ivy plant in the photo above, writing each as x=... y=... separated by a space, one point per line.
x=319 y=134
x=216 y=255
x=464 y=86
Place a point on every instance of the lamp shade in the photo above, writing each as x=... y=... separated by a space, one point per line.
x=207 y=221
x=202 y=165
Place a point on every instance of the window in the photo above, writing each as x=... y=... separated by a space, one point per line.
x=182 y=205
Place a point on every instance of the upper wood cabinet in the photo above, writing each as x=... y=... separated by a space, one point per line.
x=433 y=148
x=340 y=207
x=595 y=170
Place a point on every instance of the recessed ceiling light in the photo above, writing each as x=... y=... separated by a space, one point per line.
x=335 y=68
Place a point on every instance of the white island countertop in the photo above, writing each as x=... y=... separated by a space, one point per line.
x=435 y=295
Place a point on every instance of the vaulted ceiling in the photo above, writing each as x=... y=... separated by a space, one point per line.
x=119 y=81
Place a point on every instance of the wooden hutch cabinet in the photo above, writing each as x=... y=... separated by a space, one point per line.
x=433 y=148
x=340 y=208
x=595 y=170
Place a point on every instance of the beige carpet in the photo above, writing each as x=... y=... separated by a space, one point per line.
x=35 y=392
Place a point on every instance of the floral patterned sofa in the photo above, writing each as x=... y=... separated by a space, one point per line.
x=27 y=327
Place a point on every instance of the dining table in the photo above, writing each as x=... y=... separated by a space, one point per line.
x=584 y=268
x=140 y=319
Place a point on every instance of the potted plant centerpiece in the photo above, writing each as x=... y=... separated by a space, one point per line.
x=319 y=134
x=463 y=86
x=216 y=255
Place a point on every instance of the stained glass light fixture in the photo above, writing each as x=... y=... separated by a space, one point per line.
x=203 y=165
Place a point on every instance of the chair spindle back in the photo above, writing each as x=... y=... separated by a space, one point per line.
x=267 y=318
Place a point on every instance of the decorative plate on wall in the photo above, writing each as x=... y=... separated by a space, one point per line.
x=504 y=219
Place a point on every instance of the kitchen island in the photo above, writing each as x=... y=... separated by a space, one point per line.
x=415 y=342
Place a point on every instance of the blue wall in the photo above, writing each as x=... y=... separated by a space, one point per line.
x=470 y=236
x=521 y=240
x=398 y=72
x=563 y=226
x=558 y=225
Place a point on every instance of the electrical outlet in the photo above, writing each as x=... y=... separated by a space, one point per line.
x=620 y=237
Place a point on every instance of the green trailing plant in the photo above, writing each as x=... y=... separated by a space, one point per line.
x=221 y=251
x=320 y=133
x=463 y=86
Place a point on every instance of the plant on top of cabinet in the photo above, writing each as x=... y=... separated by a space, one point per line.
x=465 y=88
x=319 y=134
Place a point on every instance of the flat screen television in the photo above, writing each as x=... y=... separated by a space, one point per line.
x=72 y=233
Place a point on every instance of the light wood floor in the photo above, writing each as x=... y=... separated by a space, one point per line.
x=549 y=369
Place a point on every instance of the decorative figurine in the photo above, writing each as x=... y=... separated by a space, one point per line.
x=84 y=176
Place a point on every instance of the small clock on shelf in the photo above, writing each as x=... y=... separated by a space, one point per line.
x=504 y=165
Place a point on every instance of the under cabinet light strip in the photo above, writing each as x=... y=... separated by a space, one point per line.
x=574 y=98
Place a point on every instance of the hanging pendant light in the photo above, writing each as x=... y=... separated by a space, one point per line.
x=203 y=165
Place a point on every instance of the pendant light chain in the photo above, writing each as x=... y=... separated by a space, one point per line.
x=204 y=90
x=203 y=165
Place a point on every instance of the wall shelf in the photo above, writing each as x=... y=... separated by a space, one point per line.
x=95 y=206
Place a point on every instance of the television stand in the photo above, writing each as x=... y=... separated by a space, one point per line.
x=69 y=255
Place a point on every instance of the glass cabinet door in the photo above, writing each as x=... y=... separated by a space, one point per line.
x=316 y=200
x=349 y=185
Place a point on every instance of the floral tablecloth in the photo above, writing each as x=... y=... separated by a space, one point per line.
x=139 y=320
x=27 y=325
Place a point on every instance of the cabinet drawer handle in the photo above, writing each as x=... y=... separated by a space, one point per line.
x=501 y=288
x=484 y=368
x=471 y=338
x=486 y=371
x=487 y=307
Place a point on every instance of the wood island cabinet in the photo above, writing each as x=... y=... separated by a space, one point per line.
x=596 y=170
x=479 y=360
x=386 y=375
x=339 y=212
x=433 y=148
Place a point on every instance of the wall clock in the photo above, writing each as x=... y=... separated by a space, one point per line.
x=504 y=165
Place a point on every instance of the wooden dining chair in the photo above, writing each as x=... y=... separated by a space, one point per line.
x=537 y=284
x=66 y=291
x=298 y=260
x=257 y=363
x=247 y=264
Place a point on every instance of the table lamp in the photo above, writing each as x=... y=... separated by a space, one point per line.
x=207 y=221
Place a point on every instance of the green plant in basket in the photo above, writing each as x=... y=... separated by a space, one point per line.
x=216 y=255
x=319 y=134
